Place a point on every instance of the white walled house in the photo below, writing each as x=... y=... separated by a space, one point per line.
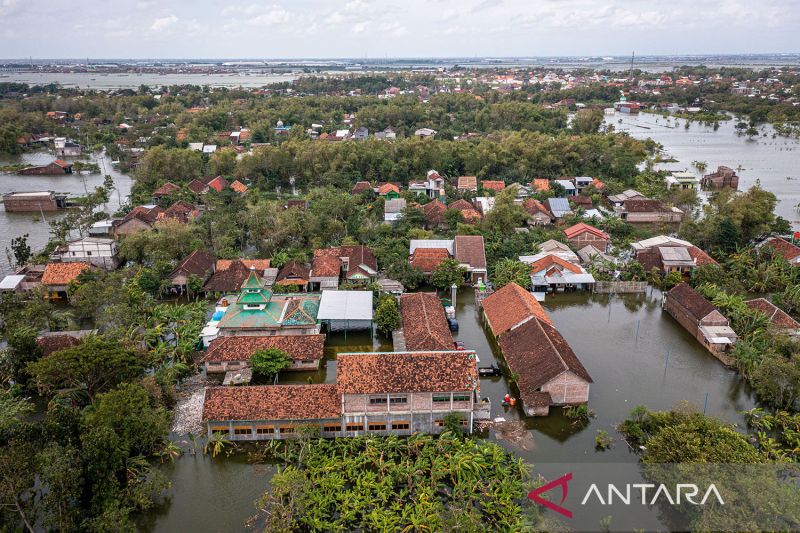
x=97 y=251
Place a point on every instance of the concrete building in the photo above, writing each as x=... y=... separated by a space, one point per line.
x=33 y=202
x=97 y=251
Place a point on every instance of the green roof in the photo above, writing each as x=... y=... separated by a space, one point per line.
x=255 y=297
x=298 y=311
x=252 y=281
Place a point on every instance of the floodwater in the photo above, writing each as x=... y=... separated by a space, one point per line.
x=772 y=159
x=16 y=224
x=133 y=80
x=628 y=369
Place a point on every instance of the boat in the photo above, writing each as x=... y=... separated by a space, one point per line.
x=491 y=370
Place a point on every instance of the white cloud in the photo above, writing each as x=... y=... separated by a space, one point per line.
x=164 y=23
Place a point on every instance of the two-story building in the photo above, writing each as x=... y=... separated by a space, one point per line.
x=96 y=251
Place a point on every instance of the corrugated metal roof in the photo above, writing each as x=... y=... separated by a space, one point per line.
x=345 y=305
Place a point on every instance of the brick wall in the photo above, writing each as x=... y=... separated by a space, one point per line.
x=586 y=238
x=567 y=389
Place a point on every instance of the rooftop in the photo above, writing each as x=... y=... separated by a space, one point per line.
x=62 y=273
x=239 y=348
x=424 y=322
x=510 y=305
x=272 y=402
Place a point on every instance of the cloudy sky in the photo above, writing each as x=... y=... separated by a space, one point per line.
x=393 y=28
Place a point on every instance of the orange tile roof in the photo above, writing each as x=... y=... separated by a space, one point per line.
x=783 y=248
x=388 y=187
x=424 y=322
x=541 y=184
x=700 y=257
x=776 y=315
x=62 y=273
x=581 y=227
x=272 y=402
x=493 y=185
x=598 y=184
x=241 y=348
x=510 y=305
x=258 y=264
x=238 y=186
x=468 y=182
x=550 y=260
x=427 y=259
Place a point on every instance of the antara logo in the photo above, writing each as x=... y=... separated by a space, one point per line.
x=562 y=482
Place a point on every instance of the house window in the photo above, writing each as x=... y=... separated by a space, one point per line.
x=219 y=429
x=460 y=397
x=441 y=399
x=398 y=400
x=438 y=423
x=286 y=430
x=88 y=253
x=400 y=425
x=377 y=426
x=331 y=429
x=242 y=430
x=355 y=427
x=265 y=430
x=380 y=400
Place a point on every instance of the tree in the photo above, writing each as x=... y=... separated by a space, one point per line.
x=448 y=273
x=21 y=249
x=508 y=270
x=727 y=235
x=587 y=121
x=453 y=217
x=387 y=314
x=267 y=363
x=670 y=280
x=98 y=364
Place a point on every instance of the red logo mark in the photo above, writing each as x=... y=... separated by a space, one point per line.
x=535 y=494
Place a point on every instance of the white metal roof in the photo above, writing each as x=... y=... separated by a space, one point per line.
x=568 y=185
x=660 y=240
x=11 y=282
x=345 y=305
x=430 y=243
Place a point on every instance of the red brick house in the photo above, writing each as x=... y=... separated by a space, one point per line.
x=581 y=235
x=538 y=214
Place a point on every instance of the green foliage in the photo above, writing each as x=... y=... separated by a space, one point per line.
x=602 y=441
x=267 y=363
x=670 y=280
x=21 y=249
x=510 y=270
x=387 y=314
x=448 y=273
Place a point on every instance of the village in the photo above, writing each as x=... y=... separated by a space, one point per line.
x=293 y=269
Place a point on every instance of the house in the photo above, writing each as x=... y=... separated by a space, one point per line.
x=782 y=248
x=581 y=235
x=238 y=187
x=568 y=186
x=551 y=247
x=493 y=185
x=230 y=354
x=548 y=371
x=540 y=184
x=65 y=148
x=167 y=189
x=183 y=212
x=53 y=341
x=467 y=184
x=581 y=182
x=682 y=180
x=57 y=277
x=470 y=252
x=297 y=203
x=434 y=213
x=589 y=255
x=197 y=187
x=227 y=280
x=617 y=200
x=325 y=271
x=647 y=211
x=424 y=324
x=552 y=273
x=55 y=168
x=538 y=214
x=468 y=211
x=422 y=133
x=559 y=207
x=97 y=251
x=778 y=318
x=345 y=310
x=198 y=263
x=361 y=134
x=23 y=280
x=33 y=202
x=293 y=275
x=259 y=312
x=388 y=190
x=484 y=204
x=374 y=393
x=699 y=317
x=432 y=186
x=361 y=187
x=388 y=134
x=722 y=177
x=218 y=184
x=660 y=253
x=140 y=218
x=427 y=260
x=393 y=209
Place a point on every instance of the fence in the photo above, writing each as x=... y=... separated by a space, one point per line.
x=619 y=287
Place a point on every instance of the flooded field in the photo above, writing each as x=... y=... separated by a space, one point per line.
x=627 y=369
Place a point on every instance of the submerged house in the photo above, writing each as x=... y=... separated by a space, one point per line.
x=57 y=277
x=552 y=273
x=424 y=324
x=228 y=354
x=345 y=310
x=354 y=263
x=581 y=235
x=549 y=373
x=668 y=254
x=702 y=319
x=375 y=393
x=198 y=263
x=722 y=177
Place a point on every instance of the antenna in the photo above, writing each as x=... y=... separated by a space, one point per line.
x=630 y=72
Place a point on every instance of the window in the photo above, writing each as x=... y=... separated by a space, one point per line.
x=463 y=422
x=378 y=400
x=400 y=425
x=398 y=400
x=355 y=427
x=265 y=430
x=88 y=253
x=286 y=429
x=460 y=397
x=219 y=429
x=441 y=399
x=377 y=426
x=242 y=430
x=438 y=423
x=331 y=429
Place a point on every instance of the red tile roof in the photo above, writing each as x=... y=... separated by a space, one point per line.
x=692 y=300
x=181 y=211
x=424 y=322
x=292 y=273
x=434 y=212
x=272 y=402
x=468 y=210
x=493 y=185
x=510 y=305
x=229 y=279
x=62 y=273
x=777 y=316
x=166 y=189
x=469 y=183
x=361 y=186
x=53 y=342
x=443 y=371
x=197 y=186
x=242 y=348
x=148 y=215
x=538 y=353
x=325 y=266
x=701 y=258
x=534 y=206
x=550 y=260
x=258 y=264
x=198 y=263
x=218 y=183
x=427 y=259
x=469 y=250
x=239 y=187
x=541 y=184
x=581 y=227
x=783 y=248
x=386 y=188
x=597 y=184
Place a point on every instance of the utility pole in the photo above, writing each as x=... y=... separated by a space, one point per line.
x=630 y=72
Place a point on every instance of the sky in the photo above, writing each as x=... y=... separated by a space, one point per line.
x=393 y=28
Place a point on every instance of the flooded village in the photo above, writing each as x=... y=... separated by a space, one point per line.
x=252 y=273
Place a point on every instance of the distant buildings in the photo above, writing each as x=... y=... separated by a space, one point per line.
x=722 y=177
x=33 y=202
